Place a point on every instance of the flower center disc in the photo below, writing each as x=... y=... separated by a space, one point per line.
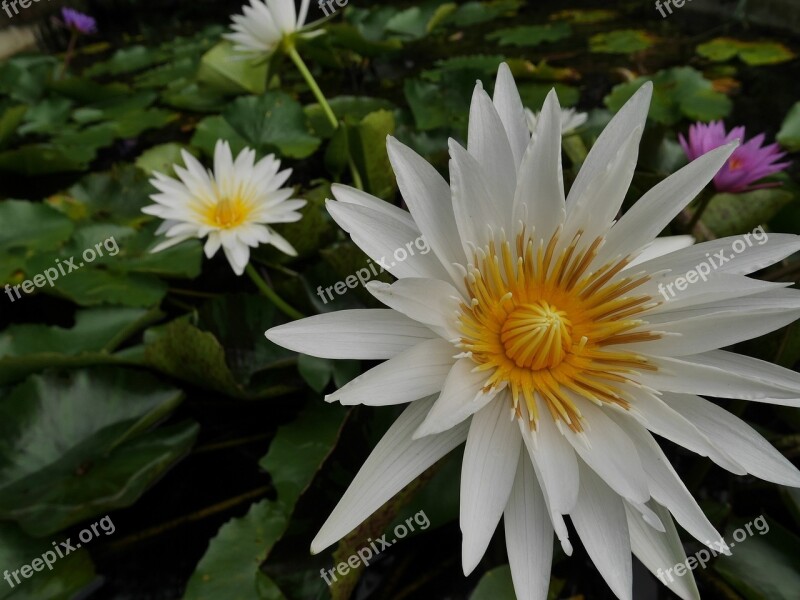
x=536 y=336
x=543 y=323
x=228 y=213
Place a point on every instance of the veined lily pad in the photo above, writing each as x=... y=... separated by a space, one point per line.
x=74 y=445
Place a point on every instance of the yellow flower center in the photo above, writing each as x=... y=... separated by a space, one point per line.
x=227 y=213
x=735 y=164
x=541 y=323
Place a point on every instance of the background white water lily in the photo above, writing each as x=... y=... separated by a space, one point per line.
x=264 y=24
x=571 y=119
x=232 y=206
x=534 y=333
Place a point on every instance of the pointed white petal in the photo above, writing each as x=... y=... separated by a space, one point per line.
x=368 y=334
x=539 y=197
x=386 y=240
x=666 y=486
x=472 y=199
x=462 y=396
x=508 y=103
x=529 y=535
x=607 y=449
x=394 y=463
x=654 y=211
x=487 y=475
x=717 y=374
x=429 y=301
x=599 y=517
x=428 y=197
x=661 y=246
x=489 y=145
x=617 y=132
x=735 y=437
x=419 y=371
x=661 y=551
x=557 y=465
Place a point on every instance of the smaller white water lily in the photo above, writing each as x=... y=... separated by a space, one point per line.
x=265 y=24
x=571 y=119
x=232 y=206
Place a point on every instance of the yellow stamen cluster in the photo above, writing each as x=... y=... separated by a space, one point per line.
x=540 y=323
x=227 y=213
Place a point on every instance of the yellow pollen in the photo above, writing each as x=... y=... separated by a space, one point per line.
x=536 y=335
x=540 y=322
x=227 y=213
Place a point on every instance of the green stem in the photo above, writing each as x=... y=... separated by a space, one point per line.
x=354 y=172
x=312 y=83
x=279 y=302
x=73 y=40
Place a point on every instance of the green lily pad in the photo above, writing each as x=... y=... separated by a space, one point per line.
x=31 y=348
x=534 y=94
x=531 y=35
x=66 y=577
x=732 y=214
x=182 y=350
x=756 y=53
x=32 y=226
x=623 y=41
x=161 y=158
x=789 y=135
x=47 y=116
x=680 y=92
x=127 y=60
x=585 y=16
x=475 y=13
x=764 y=566
x=230 y=567
x=24 y=78
x=73 y=445
x=9 y=121
x=227 y=70
x=274 y=122
x=495 y=585
x=349 y=108
x=211 y=129
x=41 y=159
x=367 y=144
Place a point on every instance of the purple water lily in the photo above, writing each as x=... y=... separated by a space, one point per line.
x=750 y=162
x=79 y=22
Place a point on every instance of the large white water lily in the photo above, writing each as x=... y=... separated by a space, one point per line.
x=231 y=206
x=264 y=24
x=534 y=332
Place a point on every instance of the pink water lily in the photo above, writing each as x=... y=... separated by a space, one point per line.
x=749 y=163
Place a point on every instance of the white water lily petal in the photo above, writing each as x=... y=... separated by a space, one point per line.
x=735 y=437
x=719 y=286
x=488 y=144
x=607 y=449
x=661 y=246
x=472 y=201
x=386 y=241
x=617 y=132
x=462 y=396
x=661 y=551
x=529 y=534
x=429 y=201
x=432 y=302
x=364 y=334
x=394 y=463
x=654 y=211
x=759 y=255
x=487 y=475
x=666 y=486
x=508 y=103
x=539 y=197
x=599 y=517
x=556 y=462
x=702 y=374
x=417 y=372
x=351 y=195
